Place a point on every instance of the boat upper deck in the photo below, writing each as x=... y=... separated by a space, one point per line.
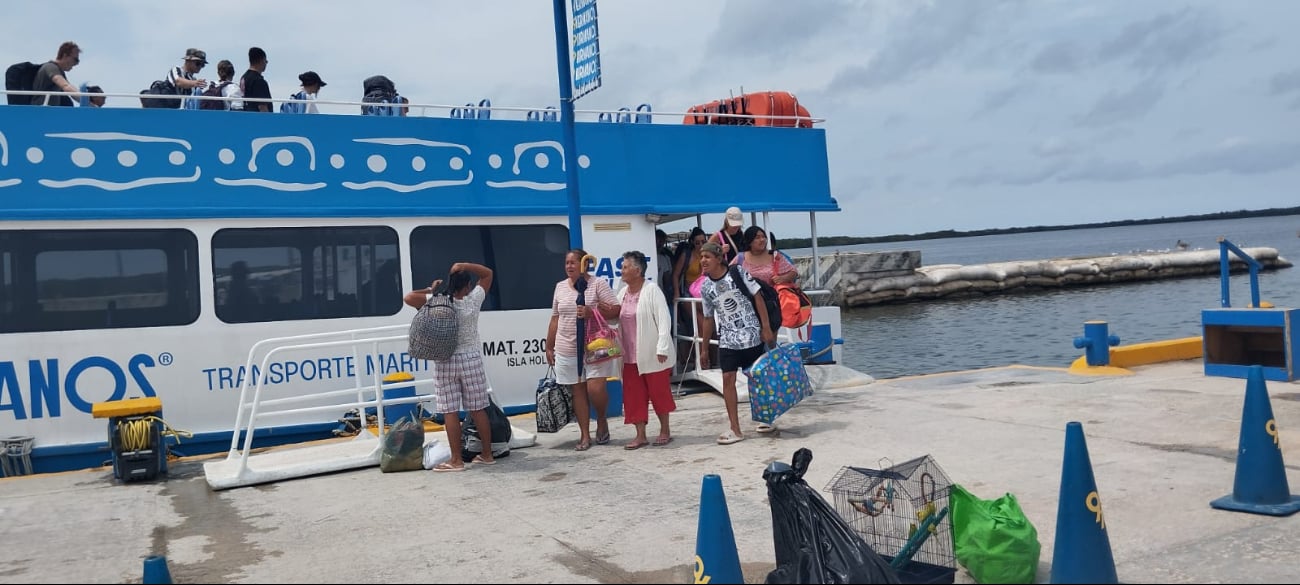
x=90 y=163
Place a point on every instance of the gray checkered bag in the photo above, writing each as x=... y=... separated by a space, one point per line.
x=433 y=330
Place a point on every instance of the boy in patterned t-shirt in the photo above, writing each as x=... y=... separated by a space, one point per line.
x=743 y=331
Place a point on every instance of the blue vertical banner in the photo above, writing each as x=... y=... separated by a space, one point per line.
x=586 y=48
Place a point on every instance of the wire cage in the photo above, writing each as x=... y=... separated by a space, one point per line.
x=888 y=506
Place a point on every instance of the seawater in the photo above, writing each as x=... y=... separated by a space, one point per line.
x=1038 y=327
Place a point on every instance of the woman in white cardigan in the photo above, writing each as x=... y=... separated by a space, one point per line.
x=646 y=334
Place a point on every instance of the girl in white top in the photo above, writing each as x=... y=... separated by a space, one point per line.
x=646 y=334
x=311 y=85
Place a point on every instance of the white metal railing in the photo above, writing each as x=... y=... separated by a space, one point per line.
x=684 y=371
x=270 y=348
x=417 y=109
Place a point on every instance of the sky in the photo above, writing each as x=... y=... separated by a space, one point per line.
x=949 y=114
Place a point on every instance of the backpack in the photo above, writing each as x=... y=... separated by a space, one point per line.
x=434 y=329
x=215 y=90
x=295 y=107
x=378 y=89
x=796 y=307
x=157 y=88
x=21 y=77
x=770 y=297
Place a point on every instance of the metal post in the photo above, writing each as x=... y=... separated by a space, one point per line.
x=816 y=262
x=566 y=122
x=1224 y=292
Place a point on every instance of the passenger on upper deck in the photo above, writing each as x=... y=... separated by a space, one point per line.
x=224 y=86
x=729 y=236
x=50 y=77
x=304 y=99
x=92 y=96
x=253 y=85
x=183 y=76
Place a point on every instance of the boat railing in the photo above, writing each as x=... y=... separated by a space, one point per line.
x=482 y=111
x=692 y=337
x=1226 y=247
x=253 y=407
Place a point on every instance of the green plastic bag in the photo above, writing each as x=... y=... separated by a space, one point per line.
x=993 y=539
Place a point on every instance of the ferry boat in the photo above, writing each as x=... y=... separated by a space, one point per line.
x=143 y=252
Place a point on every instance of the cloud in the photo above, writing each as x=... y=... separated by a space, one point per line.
x=911 y=149
x=1232 y=156
x=1014 y=177
x=1058 y=57
x=1055 y=146
x=1119 y=106
x=1285 y=82
x=998 y=99
x=920 y=41
x=1165 y=41
x=750 y=29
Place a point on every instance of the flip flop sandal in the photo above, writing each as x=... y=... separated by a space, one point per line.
x=635 y=446
x=582 y=446
x=661 y=441
x=729 y=438
x=447 y=467
x=478 y=460
x=602 y=440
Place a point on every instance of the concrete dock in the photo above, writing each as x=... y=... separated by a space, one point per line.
x=1163 y=444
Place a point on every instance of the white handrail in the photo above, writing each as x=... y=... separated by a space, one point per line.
x=421 y=107
x=356 y=338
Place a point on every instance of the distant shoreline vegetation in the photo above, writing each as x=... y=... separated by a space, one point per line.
x=795 y=243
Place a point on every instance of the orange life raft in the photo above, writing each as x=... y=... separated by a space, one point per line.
x=752 y=109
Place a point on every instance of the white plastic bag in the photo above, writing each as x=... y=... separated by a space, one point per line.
x=436 y=452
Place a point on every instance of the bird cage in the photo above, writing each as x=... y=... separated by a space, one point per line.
x=887 y=507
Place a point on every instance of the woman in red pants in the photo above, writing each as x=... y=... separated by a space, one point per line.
x=646 y=333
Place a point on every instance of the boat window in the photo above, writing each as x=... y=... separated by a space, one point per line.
x=527 y=260
x=63 y=280
x=290 y=274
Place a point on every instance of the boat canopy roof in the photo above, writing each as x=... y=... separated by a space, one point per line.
x=93 y=163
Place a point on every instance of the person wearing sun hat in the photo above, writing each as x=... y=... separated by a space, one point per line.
x=311 y=85
x=183 y=77
x=729 y=236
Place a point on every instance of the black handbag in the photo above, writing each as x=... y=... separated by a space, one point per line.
x=554 y=404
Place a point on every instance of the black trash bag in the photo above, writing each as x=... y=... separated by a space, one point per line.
x=813 y=543
x=501 y=433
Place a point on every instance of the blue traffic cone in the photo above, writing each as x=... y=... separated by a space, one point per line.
x=155 y=571
x=1260 y=486
x=716 y=557
x=1081 y=552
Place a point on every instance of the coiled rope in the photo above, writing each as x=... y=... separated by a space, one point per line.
x=134 y=434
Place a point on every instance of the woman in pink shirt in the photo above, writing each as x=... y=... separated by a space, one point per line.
x=562 y=345
x=763 y=264
x=646 y=332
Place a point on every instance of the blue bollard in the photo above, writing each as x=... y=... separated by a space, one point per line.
x=1096 y=343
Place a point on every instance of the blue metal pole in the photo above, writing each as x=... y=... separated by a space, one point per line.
x=1224 y=300
x=566 y=122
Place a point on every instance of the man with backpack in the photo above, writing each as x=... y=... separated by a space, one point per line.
x=744 y=327
x=51 y=77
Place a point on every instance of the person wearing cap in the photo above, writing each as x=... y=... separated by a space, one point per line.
x=183 y=77
x=729 y=236
x=311 y=84
x=742 y=325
